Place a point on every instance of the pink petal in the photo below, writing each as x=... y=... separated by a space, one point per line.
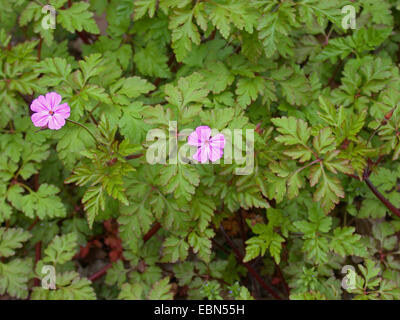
x=193 y=139
x=62 y=110
x=218 y=141
x=204 y=133
x=198 y=137
x=56 y=122
x=202 y=154
x=53 y=99
x=40 y=104
x=215 y=154
x=40 y=119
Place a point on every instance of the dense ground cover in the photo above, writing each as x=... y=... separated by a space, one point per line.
x=99 y=199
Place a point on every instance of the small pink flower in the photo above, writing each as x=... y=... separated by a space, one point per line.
x=49 y=112
x=208 y=148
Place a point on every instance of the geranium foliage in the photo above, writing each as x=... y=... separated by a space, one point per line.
x=322 y=191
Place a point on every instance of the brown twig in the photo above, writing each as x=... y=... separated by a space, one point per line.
x=100 y=273
x=375 y=191
x=38 y=255
x=151 y=232
x=381 y=197
x=133 y=156
x=83 y=36
x=283 y=279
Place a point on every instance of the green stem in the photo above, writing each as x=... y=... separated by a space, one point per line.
x=84 y=127
x=25 y=187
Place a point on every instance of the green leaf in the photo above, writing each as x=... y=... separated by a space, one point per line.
x=61 y=249
x=248 y=89
x=133 y=87
x=201 y=244
x=180 y=179
x=131 y=292
x=152 y=61
x=43 y=204
x=174 y=249
x=161 y=290
x=266 y=239
x=274 y=26
x=14 y=277
x=294 y=132
x=70 y=286
x=345 y=242
x=78 y=17
x=11 y=239
x=189 y=90
x=94 y=201
x=184 y=33
x=328 y=192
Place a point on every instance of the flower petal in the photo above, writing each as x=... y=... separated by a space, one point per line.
x=40 y=104
x=56 y=122
x=202 y=154
x=40 y=119
x=215 y=154
x=204 y=133
x=62 y=110
x=53 y=99
x=193 y=140
x=218 y=141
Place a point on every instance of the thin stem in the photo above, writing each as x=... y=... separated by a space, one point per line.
x=84 y=127
x=375 y=191
x=38 y=255
x=381 y=197
x=374 y=133
x=100 y=273
x=133 y=156
x=25 y=186
x=283 y=279
x=308 y=165
x=151 y=232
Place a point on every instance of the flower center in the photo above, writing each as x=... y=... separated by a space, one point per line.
x=51 y=112
x=207 y=142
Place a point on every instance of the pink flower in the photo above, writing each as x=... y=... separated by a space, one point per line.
x=49 y=112
x=208 y=148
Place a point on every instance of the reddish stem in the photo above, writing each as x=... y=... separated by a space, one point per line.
x=375 y=191
x=83 y=36
x=133 y=156
x=380 y=196
x=38 y=255
x=151 y=232
x=100 y=273
x=283 y=279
